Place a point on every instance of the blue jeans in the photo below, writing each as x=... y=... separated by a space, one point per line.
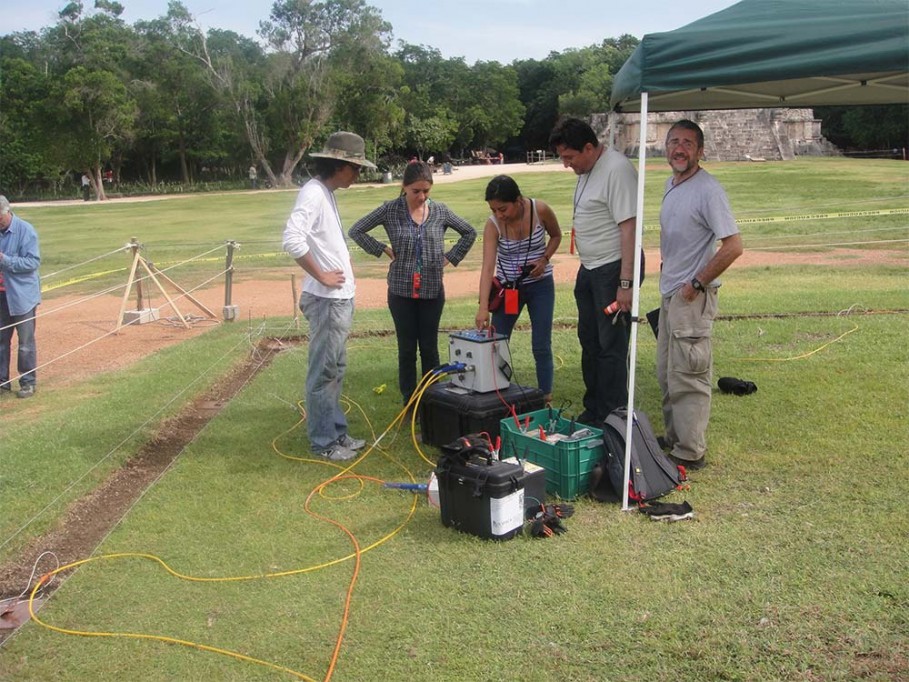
x=539 y=297
x=604 y=345
x=28 y=353
x=329 y=320
x=416 y=324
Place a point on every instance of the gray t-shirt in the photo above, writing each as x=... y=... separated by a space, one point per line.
x=694 y=214
x=603 y=198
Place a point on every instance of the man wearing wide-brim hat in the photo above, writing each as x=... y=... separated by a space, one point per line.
x=314 y=237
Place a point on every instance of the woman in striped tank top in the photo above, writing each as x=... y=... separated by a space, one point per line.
x=516 y=251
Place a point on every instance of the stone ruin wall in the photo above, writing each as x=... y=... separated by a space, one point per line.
x=729 y=135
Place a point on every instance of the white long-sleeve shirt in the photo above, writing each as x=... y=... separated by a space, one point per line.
x=314 y=227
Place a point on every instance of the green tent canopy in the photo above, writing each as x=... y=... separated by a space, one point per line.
x=773 y=53
x=761 y=53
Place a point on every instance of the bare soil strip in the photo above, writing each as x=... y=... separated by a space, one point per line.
x=88 y=520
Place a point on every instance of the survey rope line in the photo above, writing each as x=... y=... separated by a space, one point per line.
x=112 y=332
x=259 y=362
x=141 y=279
x=358 y=551
x=120 y=444
x=79 y=265
x=108 y=272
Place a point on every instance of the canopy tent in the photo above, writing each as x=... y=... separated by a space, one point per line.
x=773 y=53
x=763 y=53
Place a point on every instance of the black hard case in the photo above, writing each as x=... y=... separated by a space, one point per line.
x=446 y=414
x=481 y=497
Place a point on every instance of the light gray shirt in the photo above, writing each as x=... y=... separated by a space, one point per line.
x=695 y=213
x=603 y=198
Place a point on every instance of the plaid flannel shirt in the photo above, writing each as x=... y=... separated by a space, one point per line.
x=402 y=234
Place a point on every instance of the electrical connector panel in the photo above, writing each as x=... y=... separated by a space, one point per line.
x=487 y=359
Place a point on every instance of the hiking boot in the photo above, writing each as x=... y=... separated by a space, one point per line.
x=26 y=391
x=689 y=464
x=351 y=443
x=337 y=453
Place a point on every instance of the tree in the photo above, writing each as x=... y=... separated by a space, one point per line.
x=482 y=101
x=286 y=98
x=317 y=45
x=435 y=132
x=91 y=114
x=369 y=101
x=24 y=159
x=495 y=111
x=98 y=113
x=178 y=118
x=866 y=128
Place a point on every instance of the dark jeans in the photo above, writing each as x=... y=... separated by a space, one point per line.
x=539 y=297
x=604 y=345
x=416 y=324
x=27 y=360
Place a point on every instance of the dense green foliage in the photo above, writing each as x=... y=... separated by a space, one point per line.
x=163 y=101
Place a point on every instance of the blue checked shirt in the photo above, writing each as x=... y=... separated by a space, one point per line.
x=404 y=236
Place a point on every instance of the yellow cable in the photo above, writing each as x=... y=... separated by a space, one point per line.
x=342 y=474
x=139 y=635
x=803 y=355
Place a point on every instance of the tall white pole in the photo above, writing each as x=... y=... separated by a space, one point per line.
x=635 y=293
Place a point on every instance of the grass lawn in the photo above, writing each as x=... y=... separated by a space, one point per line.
x=794 y=567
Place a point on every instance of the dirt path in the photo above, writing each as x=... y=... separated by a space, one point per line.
x=76 y=340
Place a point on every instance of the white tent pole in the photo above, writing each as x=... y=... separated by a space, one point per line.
x=635 y=293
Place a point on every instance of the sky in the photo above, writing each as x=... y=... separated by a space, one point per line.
x=477 y=30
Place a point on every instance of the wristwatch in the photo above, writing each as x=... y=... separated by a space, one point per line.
x=624 y=284
x=696 y=285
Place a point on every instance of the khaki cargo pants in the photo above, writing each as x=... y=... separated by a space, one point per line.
x=684 y=370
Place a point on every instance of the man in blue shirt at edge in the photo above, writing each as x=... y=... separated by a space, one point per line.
x=20 y=294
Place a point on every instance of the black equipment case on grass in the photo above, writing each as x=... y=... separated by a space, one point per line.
x=448 y=412
x=481 y=496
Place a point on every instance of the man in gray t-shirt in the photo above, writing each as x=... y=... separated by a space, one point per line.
x=695 y=214
x=605 y=206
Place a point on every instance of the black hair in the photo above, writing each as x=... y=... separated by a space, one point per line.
x=686 y=124
x=414 y=172
x=327 y=168
x=503 y=188
x=574 y=134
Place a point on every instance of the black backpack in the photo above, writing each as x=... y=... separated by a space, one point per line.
x=652 y=473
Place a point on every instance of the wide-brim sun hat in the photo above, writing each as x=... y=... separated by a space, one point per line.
x=344 y=146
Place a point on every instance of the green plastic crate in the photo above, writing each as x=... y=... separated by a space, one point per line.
x=567 y=463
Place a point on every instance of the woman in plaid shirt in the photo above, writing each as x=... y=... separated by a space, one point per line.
x=415 y=227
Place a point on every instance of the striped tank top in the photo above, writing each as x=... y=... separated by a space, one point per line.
x=514 y=254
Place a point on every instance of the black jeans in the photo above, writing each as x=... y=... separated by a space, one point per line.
x=416 y=324
x=604 y=345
